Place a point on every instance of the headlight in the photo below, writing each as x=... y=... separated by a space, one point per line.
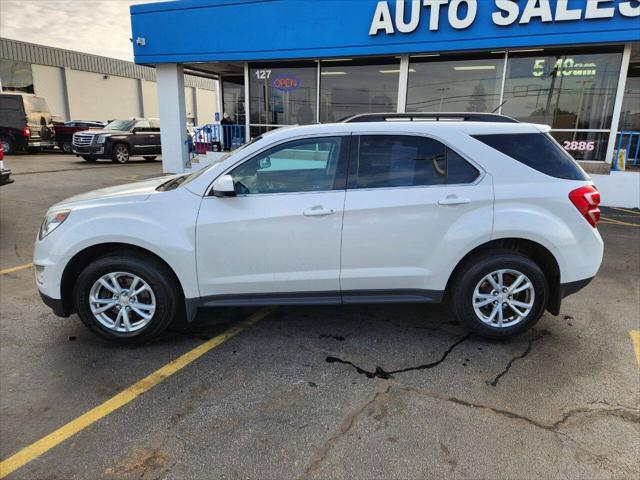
x=101 y=139
x=52 y=220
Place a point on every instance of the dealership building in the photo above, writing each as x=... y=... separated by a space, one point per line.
x=571 y=64
x=80 y=86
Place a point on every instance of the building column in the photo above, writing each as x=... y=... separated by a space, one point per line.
x=403 y=84
x=173 y=117
x=617 y=106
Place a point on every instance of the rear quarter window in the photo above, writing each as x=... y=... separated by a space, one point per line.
x=538 y=151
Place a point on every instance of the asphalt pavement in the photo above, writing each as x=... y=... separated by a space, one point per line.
x=362 y=392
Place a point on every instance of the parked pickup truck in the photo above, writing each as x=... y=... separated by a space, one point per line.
x=5 y=173
x=120 y=140
x=64 y=132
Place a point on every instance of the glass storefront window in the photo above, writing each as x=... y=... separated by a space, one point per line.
x=350 y=87
x=16 y=76
x=233 y=98
x=283 y=94
x=455 y=84
x=589 y=146
x=630 y=115
x=565 y=89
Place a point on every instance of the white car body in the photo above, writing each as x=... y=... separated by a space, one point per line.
x=340 y=246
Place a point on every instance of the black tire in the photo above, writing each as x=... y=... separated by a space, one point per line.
x=150 y=157
x=89 y=158
x=474 y=270
x=7 y=145
x=120 y=153
x=158 y=276
x=66 y=147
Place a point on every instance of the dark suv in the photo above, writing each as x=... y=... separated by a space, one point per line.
x=120 y=140
x=25 y=123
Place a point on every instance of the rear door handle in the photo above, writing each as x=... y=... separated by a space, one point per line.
x=318 y=211
x=454 y=200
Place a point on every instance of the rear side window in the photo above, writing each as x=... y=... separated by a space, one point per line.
x=407 y=161
x=538 y=151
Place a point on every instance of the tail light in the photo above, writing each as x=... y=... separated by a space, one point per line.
x=587 y=200
x=26 y=132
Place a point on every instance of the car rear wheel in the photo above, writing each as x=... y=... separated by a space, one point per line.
x=127 y=299
x=150 y=157
x=7 y=145
x=120 y=153
x=89 y=158
x=499 y=294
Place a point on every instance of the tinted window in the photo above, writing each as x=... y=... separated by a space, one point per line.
x=406 y=161
x=143 y=126
x=301 y=166
x=121 y=125
x=459 y=170
x=538 y=151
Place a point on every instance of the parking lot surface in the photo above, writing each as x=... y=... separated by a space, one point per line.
x=316 y=392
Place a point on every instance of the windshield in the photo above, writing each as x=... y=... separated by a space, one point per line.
x=122 y=125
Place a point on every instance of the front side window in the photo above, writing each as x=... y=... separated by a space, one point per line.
x=309 y=165
x=405 y=161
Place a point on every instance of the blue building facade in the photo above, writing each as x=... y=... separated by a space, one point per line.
x=572 y=64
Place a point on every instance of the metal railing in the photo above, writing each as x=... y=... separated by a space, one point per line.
x=629 y=143
x=216 y=138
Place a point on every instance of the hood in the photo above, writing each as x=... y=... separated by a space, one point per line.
x=100 y=131
x=130 y=192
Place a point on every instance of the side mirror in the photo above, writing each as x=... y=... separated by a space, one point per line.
x=223 y=186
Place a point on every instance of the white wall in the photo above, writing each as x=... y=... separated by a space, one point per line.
x=206 y=102
x=149 y=99
x=48 y=82
x=94 y=97
x=619 y=189
x=190 y=103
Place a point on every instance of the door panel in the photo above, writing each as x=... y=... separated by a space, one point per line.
x=281 y=233
x=408 y=237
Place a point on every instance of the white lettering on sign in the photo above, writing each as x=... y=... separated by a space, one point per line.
x=461 y=14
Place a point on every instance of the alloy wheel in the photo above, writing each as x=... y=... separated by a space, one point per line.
x=503 y=298
x=122 y=302
x=122 y=154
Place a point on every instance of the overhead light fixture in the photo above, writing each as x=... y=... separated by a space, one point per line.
x=528 y=50
x=337 y=60
x=333 y=73
x=498 y=51
x=426 y=55
x=475 y=67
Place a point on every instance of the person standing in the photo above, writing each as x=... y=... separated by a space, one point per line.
x=227 y=134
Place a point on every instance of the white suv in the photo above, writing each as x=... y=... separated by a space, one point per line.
x=486 y=213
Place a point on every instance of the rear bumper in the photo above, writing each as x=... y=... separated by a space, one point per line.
x=41 y=144
x=5 y=177
x=54 y=304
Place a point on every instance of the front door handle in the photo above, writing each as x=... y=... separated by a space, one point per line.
x=318 y=211
x=454 y=200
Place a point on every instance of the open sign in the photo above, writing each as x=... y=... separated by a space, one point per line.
x=286 y=82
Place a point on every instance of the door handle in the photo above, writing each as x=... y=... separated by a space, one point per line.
x=318 y=211
x=454 y=200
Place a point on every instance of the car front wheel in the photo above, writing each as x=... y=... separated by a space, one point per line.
x=499 y=294
x=126 y=299
x=120 y=153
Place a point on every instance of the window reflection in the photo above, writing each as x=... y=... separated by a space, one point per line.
x=455 y=85
x=567 y=90
x=352 y=87
x=233 y=98
x=283 y=94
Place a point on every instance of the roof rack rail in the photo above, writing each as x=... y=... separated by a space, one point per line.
x=429 y=117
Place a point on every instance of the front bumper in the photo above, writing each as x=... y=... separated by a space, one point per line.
x=95 y=150
x=5 y=177
x=54 y=304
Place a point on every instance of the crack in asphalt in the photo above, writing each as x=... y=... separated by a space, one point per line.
x=345 y=425
x=626 y=414
x=526 y=352
x=379 y=372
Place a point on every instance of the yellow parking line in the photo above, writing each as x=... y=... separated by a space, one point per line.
x=41 y=446
x=16 y=269
x=612 y=221
x=635 y=340
x=635 y=212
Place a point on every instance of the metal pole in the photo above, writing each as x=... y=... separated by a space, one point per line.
x=504 y=81
x=617 y=107
x=403 y=84
x=247 y=110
